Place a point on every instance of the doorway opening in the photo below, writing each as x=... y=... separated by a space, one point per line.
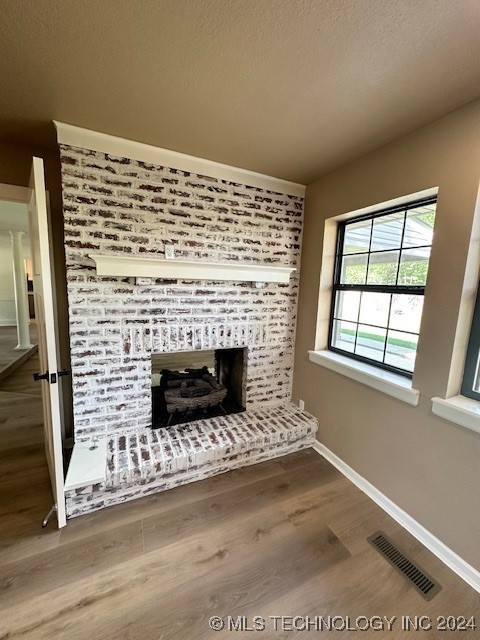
x=23 y=462
x=18 y=330
x=31 y=425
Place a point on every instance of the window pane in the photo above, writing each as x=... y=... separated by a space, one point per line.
x=357 y=236
x=354 y=269
x=419 y=226
x=370 y=342
x=347 y=304
x=401 y=350
x=414 y=267
x=476 y=383
x=406 y=312
x=471 y=379
x=387 y=231
x=382 y=256
x=343 y=335
x=383 y=267
x=374 y=308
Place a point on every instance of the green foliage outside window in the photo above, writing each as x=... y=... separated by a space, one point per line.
x=412 y=272
x=397 y=342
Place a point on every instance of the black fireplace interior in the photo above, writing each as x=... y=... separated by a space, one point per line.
x=189 y=385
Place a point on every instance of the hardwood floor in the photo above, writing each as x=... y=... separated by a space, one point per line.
x=283 y=538
x=25 y=495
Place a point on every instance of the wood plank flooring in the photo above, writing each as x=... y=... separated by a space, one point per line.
x=286 y=537
x=25 y=495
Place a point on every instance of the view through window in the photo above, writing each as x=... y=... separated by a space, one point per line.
x=379 y=285
x=471 y=377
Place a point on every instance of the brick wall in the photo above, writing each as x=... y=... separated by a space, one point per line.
x=118 y=205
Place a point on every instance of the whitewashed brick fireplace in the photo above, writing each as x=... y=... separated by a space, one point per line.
x=120 y=206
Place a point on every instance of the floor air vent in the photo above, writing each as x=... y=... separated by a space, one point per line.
x=421 y=581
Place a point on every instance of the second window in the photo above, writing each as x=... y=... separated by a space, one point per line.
x=379 y=285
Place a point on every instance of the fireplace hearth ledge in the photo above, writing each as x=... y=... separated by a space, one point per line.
x=141 y=463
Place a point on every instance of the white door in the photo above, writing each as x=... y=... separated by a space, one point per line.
x=44 y=296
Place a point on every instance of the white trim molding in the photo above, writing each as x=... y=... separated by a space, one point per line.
x=130 y=266
x=461 y=410
x=385 y=381
x=431 y=542
x=394 y=202
x=105 y=143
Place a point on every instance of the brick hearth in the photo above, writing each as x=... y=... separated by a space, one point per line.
x=142 y=463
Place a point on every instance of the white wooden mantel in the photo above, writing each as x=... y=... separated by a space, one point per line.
x=130 y=266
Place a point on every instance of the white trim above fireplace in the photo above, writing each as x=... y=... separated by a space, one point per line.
x=104 y=143
x=130 y=266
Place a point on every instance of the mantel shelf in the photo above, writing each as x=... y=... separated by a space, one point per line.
x=129 y=266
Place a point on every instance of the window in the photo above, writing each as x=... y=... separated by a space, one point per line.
x=471 y=375
x=381 y=268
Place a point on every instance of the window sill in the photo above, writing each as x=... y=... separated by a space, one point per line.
x=390 y=383
x=459 y=409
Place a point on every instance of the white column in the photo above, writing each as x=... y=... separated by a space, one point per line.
x=21 y=295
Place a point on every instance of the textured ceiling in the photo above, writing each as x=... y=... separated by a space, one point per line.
x=290 y=88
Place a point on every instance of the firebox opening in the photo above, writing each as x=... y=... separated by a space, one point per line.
x=190 y=385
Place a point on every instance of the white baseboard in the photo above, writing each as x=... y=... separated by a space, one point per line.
x=446 y=555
